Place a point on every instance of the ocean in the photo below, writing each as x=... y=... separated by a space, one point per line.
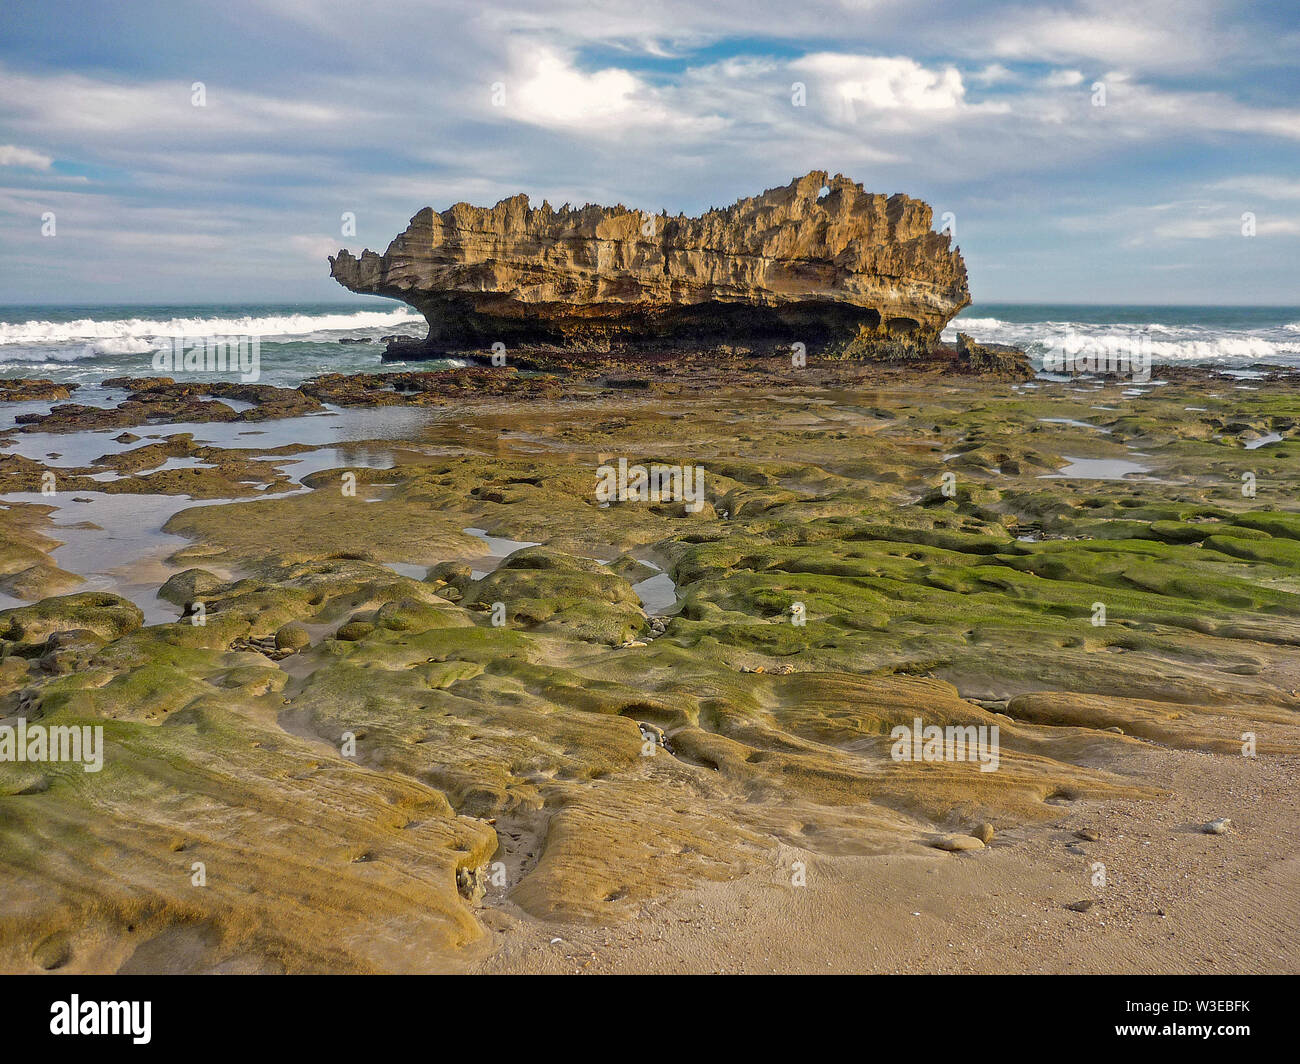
x=1216 y=336
x=86 y=344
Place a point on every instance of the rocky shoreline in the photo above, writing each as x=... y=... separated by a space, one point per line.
x=496 y=788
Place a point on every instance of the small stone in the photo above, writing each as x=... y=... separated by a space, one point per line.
x=471 y=884
x=1087 y=834
x=957 y=843
x=186 y=588
x=1218 y=827
x=1081 y=906
x=1112 y=728
x=354 y=631
x=984 y=833
x=292 y=636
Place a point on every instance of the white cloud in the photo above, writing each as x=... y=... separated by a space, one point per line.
x=884 y=83
x=1154 y=34
x=10 y=155
x=993 y=74
x=547 y=89
x=1061 y=79
x=104 y=111
x=1219 y=225
x=1190 y=218
x=1262 y=185
x=553 y=92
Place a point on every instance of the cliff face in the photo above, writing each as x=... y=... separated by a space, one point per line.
x=794 y=264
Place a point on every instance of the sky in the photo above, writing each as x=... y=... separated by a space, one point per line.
x=1089 y=152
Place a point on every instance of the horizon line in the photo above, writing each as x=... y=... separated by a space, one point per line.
x=365 y=298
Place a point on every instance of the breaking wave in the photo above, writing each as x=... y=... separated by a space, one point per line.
x=1166 y=343
x=134 y=335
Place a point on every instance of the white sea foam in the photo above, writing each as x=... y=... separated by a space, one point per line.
x=966 y=324
x=1165 y=343
x=126 y=345
x=103 y=333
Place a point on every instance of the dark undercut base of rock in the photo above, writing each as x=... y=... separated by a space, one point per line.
x=824 y=329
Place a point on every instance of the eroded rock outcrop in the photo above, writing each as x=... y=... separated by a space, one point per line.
x=819 y=261
x=993 y=360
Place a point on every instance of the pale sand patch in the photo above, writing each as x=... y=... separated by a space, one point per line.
x=1231 y=902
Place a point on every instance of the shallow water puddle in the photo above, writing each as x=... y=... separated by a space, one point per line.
x=408 y=569
x=336 y=426
x=499 y=546
x=1072 y=423
x=658 y=593
x=115 y=543
x=1095 y=469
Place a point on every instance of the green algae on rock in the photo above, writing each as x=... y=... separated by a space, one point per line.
x=375 y=778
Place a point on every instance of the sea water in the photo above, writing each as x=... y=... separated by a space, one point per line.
x=86 y=344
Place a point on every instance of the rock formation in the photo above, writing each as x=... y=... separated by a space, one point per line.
x=993 y=360
x=818 y=261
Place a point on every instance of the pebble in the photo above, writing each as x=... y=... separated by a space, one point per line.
x=957 y=843
x=1081 y=906
x=984 y=833
x=1087 y=835
x=1217 y=827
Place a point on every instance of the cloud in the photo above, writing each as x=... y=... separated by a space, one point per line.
x=1210 y=224
x=884 y=84
x=1178 y=220
x=980 y=109
x=993 y=74
x=1060 y=79
x=547 y=89
x=1260 y=185
x=11 y=155
x=552 y=91
x=102 y=111
x=1154 y=35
